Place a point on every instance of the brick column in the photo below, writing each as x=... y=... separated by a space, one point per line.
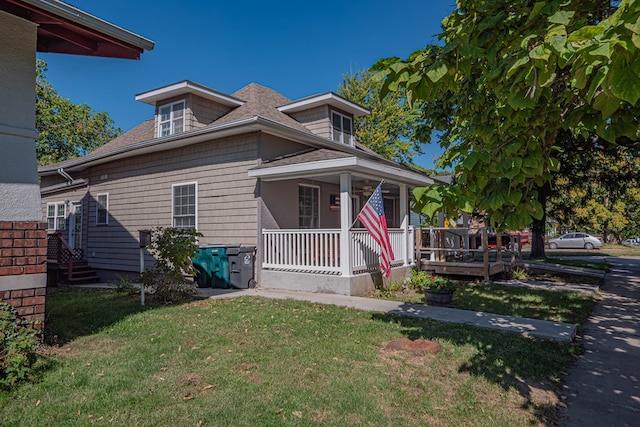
x=23 y=268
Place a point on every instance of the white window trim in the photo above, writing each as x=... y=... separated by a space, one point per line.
x=171 y=119
x=342 y=133
x=98 y=209
x=173 y=186
x=56 y=217
x=319 y=203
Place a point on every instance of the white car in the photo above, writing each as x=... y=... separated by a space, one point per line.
x=575 y=241
x=632 y=242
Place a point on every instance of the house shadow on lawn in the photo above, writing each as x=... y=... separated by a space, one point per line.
x=75 y=312
x=533 y=367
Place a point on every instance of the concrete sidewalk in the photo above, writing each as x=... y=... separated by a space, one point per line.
x=603 y=388
x=542 y=329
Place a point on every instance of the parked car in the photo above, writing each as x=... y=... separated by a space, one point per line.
x=521 y=237
x=632 y=242
x=575 y=241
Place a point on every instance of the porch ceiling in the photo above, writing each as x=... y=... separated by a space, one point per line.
x=328 y=165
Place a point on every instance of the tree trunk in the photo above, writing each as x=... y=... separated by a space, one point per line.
x=538 y=226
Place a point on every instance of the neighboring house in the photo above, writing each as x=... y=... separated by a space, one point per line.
x=27 y=27
x=250 y=168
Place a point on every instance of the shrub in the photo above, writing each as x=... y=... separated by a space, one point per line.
x=173 y=249
x=438 y=284
x=519 y=273
x=18 y=347
x=124 y=285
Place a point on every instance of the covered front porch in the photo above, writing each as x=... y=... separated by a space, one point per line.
x=310 y=239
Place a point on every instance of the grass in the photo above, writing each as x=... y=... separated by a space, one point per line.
x=252 y=361
x=568 y=307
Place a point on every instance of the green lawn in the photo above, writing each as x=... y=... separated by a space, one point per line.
x=252 y=361
x=568 y=307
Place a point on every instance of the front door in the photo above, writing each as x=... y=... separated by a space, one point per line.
x=75 y=225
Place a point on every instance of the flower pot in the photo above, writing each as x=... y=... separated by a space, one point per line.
x=438 y=297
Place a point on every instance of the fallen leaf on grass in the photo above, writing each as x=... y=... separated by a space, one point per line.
x=188 y=396
x=297 y=414
x=38 y=402
x=277 y=411
x=207 y=387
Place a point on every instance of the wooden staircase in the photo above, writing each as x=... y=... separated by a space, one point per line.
x=81 y=272
x=65 y=264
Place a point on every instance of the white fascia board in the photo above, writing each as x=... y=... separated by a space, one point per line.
x=325 y=99
x=78 y=16
x=184 y=87
x=333 y=166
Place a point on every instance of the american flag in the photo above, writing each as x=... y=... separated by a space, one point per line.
x=373 y=218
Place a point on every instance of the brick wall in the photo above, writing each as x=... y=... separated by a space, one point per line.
x=23 y=255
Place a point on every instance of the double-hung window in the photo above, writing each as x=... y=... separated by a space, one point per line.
x=185 y=205
x=171 y=119
x=308 y=206
x=56 y=214
x=342 y=128
x=102 y=209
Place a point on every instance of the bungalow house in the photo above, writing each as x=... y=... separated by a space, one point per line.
x=250 y=168
x=27 y=27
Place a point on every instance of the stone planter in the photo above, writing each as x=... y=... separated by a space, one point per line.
x=438 y=297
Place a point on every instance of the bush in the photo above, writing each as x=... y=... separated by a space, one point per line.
x=173 y=249
x=18 y=347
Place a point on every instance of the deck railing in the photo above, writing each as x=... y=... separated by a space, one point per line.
x=319 y=250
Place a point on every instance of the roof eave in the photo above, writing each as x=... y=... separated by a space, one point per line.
x=127 y=39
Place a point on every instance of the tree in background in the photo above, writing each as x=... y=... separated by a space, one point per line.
x=394 y=129
x=66 y=130
x=597 y=188
x=506 y=77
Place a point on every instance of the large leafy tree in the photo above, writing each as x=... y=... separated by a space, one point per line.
x=504 y=80
x=394 y=129
x=66 y=130
x=597 y=188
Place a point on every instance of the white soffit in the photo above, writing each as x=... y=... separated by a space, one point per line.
x=186 y=87
x=325 y=99
x=330 y=167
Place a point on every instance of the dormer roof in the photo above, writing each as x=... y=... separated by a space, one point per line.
x=329 y=98
x=187 y=87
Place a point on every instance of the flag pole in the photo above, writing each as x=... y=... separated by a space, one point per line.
x=356 y=220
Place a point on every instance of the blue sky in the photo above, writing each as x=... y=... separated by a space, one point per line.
x=298 y=48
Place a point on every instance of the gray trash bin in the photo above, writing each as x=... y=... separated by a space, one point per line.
x=241 y=266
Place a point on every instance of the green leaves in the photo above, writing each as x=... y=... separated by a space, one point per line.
x=66 y=130
x=625 y=85
x=503 y=84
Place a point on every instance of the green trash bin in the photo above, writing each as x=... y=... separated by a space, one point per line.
x=212 y=266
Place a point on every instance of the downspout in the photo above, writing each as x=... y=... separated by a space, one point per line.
x=65 y=175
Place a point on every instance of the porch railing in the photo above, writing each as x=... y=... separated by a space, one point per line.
x=319 y=250
x=59 y=250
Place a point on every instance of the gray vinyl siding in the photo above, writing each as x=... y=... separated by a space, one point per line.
x=317 y=120
x=203 y=112
x=140 y=196
x=272 y=147
x=199 y=112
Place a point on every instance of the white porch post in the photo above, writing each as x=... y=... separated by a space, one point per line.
x=346 y=268
x=404 y=214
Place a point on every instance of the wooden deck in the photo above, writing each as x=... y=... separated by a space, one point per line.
x=473 y=269
x=455 y=251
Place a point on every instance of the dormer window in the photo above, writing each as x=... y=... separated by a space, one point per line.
x=171 y=119
x=342 y=128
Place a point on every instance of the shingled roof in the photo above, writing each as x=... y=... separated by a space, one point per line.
x=260 y=102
